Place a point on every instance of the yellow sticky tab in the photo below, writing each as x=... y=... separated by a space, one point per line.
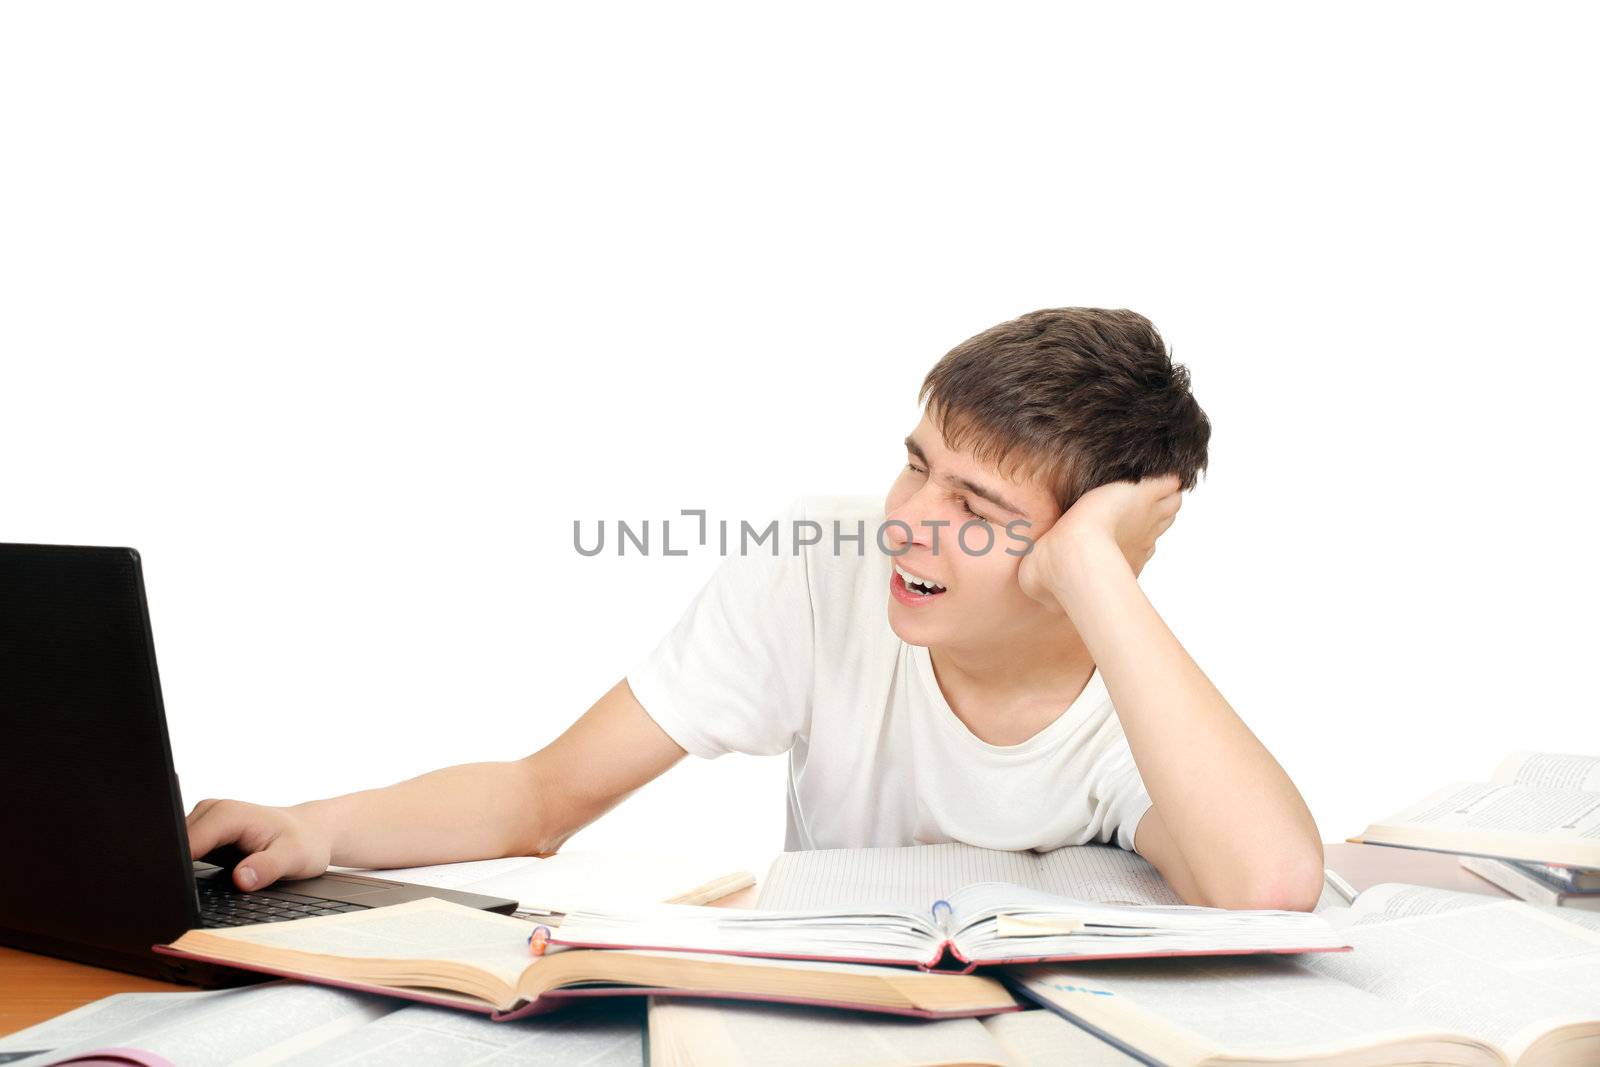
x=1015 y=926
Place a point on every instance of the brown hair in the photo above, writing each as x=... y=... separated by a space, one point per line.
x=1075 y=397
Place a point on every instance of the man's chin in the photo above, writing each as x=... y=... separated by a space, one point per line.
x=910 y=630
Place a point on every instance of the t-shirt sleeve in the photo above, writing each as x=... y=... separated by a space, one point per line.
x=734 y=674
x=1116 y=792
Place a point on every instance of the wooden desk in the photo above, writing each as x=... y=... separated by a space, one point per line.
x=1365 y=866
x=35 y=988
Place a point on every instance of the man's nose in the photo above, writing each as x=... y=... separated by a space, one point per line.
x=905 y=526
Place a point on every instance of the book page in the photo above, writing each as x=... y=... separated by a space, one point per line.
x=839 y=934
x=995 y=922
x=1500 y=970
x=249 y=1027
x=1522 y=821
x=1184 y=1011
x=1041 y=1038
x=911 y=879
x=1550 y=769
x=597 y=879
x=602 y=1032
x=684 y=1031
x=426 y=929
x=1394 y=900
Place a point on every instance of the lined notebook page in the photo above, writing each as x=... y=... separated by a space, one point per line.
x=910 y=879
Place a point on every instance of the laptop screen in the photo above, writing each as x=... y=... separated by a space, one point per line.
x=96 y=858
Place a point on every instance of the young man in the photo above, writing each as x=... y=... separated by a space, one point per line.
x=1020 y=692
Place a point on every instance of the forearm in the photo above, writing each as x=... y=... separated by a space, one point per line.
x=1243 y=829
x=470 y=811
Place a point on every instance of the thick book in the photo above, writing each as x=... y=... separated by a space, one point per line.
x=1539 y=807
x=1516 y=879
x=1437 y=977
x=1566 y=879
x=446 y=954
x=916 y=907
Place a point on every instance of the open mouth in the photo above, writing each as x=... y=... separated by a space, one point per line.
x=915 y=586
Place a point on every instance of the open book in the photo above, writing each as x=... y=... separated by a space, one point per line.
x=685 y=1033
x=442 y=953
x=293 y=1024
x=1539 y=806
x=933 y=907
x=1436 y=977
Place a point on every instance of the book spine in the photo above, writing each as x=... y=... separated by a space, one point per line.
x=1513 y=879
x=1565 y=879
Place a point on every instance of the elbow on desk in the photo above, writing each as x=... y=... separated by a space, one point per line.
x=1287 y=886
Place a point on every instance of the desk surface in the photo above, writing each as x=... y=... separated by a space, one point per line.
x=35 y=988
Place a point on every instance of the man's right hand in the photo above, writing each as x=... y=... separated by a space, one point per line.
x=526 y=807
x=276 y=842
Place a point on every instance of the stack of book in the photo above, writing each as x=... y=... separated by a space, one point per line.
x=1540 y=883
x=1533 y=828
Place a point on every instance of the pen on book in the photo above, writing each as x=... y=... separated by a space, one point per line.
x=539 y=940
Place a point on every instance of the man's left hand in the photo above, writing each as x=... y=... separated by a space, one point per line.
x=1128 y=515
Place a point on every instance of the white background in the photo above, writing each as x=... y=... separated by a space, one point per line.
x=342 y=314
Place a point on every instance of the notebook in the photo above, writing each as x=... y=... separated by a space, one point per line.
x=937 y=907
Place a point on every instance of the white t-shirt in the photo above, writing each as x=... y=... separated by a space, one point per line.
x=794 y=653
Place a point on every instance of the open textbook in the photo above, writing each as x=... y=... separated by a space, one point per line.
x=1541 y=807
x=587 y=878
x=687 y=1033
x=1436 y=977
x=940 y=907
x=290 y=1024
x=442 y=953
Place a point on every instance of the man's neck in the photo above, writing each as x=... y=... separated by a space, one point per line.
x=1006 y=692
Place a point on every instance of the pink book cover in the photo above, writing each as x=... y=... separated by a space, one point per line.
x=554 y=999
x=116 y=1057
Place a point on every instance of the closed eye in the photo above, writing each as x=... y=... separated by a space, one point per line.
x=965 y=506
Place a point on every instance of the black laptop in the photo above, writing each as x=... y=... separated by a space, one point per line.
x=95 y=863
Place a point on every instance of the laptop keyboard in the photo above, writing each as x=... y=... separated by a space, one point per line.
x=222 y=905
